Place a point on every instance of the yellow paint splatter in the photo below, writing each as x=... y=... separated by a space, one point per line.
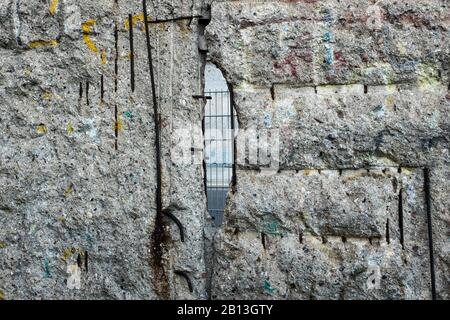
x=47 y=96
x=62 y=220
x=68 y=191
x=86 y=26
x=2 y=245
x=68 y=252
x=2 y=295
x=408 y=171
x=118 y=124
x=401 y=48
x=390 y=101
x=103 y=56
x=135 y=19
x=41 y=129
x=43 y=43
x=71 y=251
x=70 y=129
x=53 y=6
x=28 y=72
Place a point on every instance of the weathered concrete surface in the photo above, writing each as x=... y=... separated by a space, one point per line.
x=76 y=214
x=321 y=42
x=357 y=90
x=357 y=93
x=441 y=222
x=341 y=126
x=321 y=235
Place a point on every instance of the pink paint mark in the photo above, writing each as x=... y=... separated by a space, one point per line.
x=288 y=61
x=339 y=58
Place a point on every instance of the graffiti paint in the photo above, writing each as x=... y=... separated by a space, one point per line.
x=135 y=19
x=327 y=37
x=86 y=27
x=47 y=96
x=329 y=56
x=389 y=101
x=379 y=111
x=329 y=50
x=268 y=288
x=118 y=124
x=128 y=114
x=42 y=129
x=267 y=120
x=68 y=191
x=70 y=129
x=53 y=6
x=68 y=253
x=288 y=61
x=103 y=56
x=46 y=269
x=42 y=43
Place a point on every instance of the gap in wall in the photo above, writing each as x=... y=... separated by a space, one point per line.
x=218 y=141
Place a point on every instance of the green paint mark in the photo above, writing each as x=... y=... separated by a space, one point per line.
x=271 y=225
x=128 y=114
x=89 y=240
x=273 y=228
x=268 y=288
x=46 y=269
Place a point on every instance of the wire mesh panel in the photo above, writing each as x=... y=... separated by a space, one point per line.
x=218 y=152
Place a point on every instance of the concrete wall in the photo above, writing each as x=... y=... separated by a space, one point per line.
x=351 y=97
x=78 y=172
x=355 y=93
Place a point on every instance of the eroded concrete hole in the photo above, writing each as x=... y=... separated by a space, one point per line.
x=219 y=132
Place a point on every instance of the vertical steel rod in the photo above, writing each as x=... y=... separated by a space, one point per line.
x=427 y=189
x=130 y=22
x=155 y=115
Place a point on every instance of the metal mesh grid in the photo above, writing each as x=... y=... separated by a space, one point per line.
x=218 y=151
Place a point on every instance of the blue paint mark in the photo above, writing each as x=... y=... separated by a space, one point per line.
x=379 y=111
x=267 y=120
x=329 y=55
x=327 y=16
x=327 y=36
x=268 y=288
x=89 y=240
x=46 y=269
